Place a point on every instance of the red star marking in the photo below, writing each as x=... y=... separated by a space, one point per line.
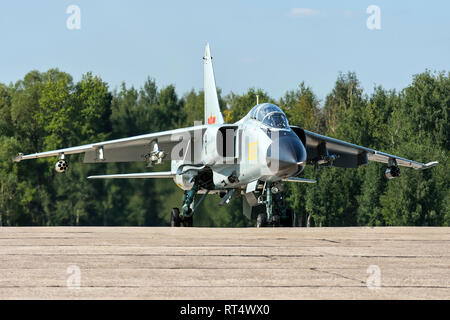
x=211 y=119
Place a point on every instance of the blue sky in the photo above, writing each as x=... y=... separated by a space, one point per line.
x=273 y=45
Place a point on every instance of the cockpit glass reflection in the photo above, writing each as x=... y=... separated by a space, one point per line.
x=270 y=115
x=265 y=110
x=276 y=120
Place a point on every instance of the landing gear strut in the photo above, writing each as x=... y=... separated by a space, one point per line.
x=188 y=199
x=186 y=216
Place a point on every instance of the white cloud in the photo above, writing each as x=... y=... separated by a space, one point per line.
x=303 y=12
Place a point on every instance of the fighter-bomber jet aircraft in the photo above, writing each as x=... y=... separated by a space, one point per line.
x=252 y=158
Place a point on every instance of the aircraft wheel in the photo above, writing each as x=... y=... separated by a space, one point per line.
x=276 y=221
x=261 y=220
x=188 y=222
x=175 y=218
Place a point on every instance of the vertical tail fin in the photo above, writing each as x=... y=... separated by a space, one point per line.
x=212 y=108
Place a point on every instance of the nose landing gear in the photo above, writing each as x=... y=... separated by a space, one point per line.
x=276 y=215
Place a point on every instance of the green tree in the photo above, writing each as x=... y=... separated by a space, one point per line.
x=301 y=107
x=419 y=197
x=47 y=110
x=240 y=105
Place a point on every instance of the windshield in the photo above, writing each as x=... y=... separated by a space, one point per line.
x=276 y=120
x=265 y=110
x=270 y=115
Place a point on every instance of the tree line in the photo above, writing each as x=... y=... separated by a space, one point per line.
x=48 y=110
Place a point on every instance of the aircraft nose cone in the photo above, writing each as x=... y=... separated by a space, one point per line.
x=286 y=155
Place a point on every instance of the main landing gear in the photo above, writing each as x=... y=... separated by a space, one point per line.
x=177 y=220
x=185 y=218
x=276 y=215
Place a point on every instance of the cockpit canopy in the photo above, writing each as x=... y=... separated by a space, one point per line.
x=270 y=115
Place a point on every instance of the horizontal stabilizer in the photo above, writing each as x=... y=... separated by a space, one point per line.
x=294 y=179
x=429 y=165
x=143 y=175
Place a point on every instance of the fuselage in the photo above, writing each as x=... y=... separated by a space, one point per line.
x=261 y=146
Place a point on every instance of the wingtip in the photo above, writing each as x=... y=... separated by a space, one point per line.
x=430 y=164
x=18 y=158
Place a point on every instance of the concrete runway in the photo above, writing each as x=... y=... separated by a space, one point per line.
x=207 y=263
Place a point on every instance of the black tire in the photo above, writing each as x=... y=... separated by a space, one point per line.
x=276 y=220
x=188 y=222
x=175 y=218
x=261 y=220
